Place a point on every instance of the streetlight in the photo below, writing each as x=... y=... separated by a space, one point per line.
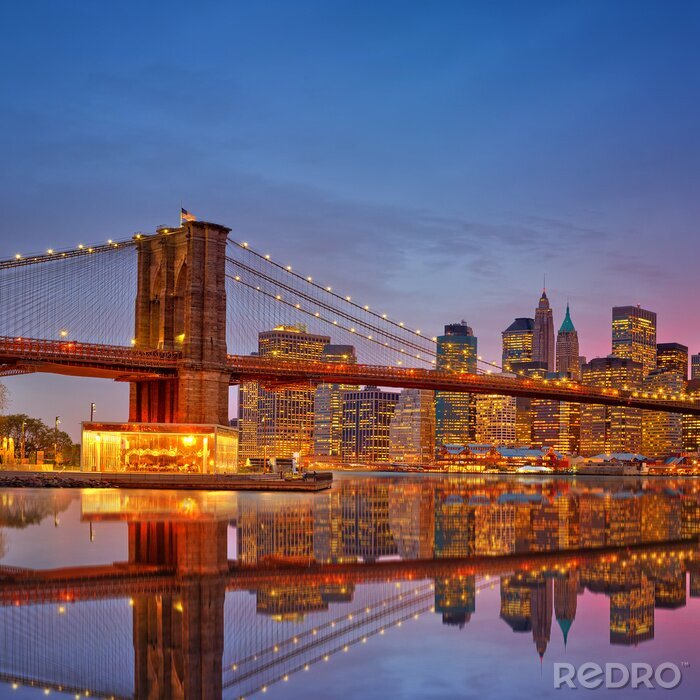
x=92 y=411
x=56 y=423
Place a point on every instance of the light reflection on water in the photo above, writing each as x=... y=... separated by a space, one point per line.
x=436 y=587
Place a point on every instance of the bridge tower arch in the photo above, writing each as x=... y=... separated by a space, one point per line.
x=181 y=305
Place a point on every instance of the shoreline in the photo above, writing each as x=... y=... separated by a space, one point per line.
x=179 y=482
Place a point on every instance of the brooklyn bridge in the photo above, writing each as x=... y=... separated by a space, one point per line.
x=176 y=315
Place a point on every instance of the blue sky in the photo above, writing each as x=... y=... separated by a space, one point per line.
x=437 y=158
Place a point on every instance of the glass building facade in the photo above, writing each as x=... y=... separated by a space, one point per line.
x=634 y=336
x=455 y=412
x=517 y=342
x=496 y=419
x=662 y=433
x=412 y=428
x=367 y=415
x=328 y=404
x=159 y=448
x=606 y=429
x=672 y=357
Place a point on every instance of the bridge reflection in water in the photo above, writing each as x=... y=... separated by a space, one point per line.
x=223 y=595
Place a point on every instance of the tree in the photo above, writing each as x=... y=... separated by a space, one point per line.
x=37 y=436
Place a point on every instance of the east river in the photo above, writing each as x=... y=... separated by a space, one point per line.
x=383 y=587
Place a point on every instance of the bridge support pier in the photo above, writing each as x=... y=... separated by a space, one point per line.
x=181 y=306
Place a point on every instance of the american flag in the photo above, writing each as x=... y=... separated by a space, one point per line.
x=186 y=215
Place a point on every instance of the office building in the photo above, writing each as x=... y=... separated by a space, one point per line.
x=568 y=358
x=455 y=413
x=672 y=357
x=412 y=428
x=496 y=419
x=634 y=336
x=543 y=349
x=280 y=423
x=662 y=433
x=695 y=366
x=606 y=429
x=367 y=415
x=556 y=424
x=328 y=404
x=691 y=424
x=517 y=341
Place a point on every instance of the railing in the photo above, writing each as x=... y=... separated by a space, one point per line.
x=67 y=351
x=273 y=370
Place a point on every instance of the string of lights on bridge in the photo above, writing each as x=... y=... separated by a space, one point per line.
x=347 y=299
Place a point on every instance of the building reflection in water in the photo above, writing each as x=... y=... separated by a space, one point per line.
x=308 y=576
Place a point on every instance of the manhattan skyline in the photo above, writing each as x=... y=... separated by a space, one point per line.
x=436 y=163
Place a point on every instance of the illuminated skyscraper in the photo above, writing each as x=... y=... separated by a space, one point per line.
x=691 y=424
x=412 y=429
x=662 y=433
x=606 y=429
x=496 y=419
x=543 y=334
x=455 y=413
x=634 y=336
x=672 y=357
x=328 y=404
x=568 y=363
x=695 y=366
x=367 y=415
x=517 y=342
x=556 y=424
x=282 y=421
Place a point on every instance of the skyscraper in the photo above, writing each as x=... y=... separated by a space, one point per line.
x=556 y=424
x=672 y=357
x=568 y=363
x=328 y=404
x=280 y=423
x=412 y=428
x=695 y=366
x=517 y=344
x=455 y=414
x=662 y=433
x=543 y=333
x=606 y=429
x=367 y=415
x=634 y=335
x=496 y=419
x=691 y=424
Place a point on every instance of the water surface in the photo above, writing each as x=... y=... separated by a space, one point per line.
x=385 y=586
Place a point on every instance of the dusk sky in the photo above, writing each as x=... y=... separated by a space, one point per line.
x=436 y=159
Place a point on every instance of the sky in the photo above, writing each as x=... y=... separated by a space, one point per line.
x=435 y=158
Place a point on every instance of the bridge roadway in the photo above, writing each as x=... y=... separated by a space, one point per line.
x=19 y=587
x=126 y=363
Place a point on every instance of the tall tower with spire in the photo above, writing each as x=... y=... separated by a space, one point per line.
x=543 y=333
x=567 y=349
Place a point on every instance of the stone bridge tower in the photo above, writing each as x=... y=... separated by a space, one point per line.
x=181 y=306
